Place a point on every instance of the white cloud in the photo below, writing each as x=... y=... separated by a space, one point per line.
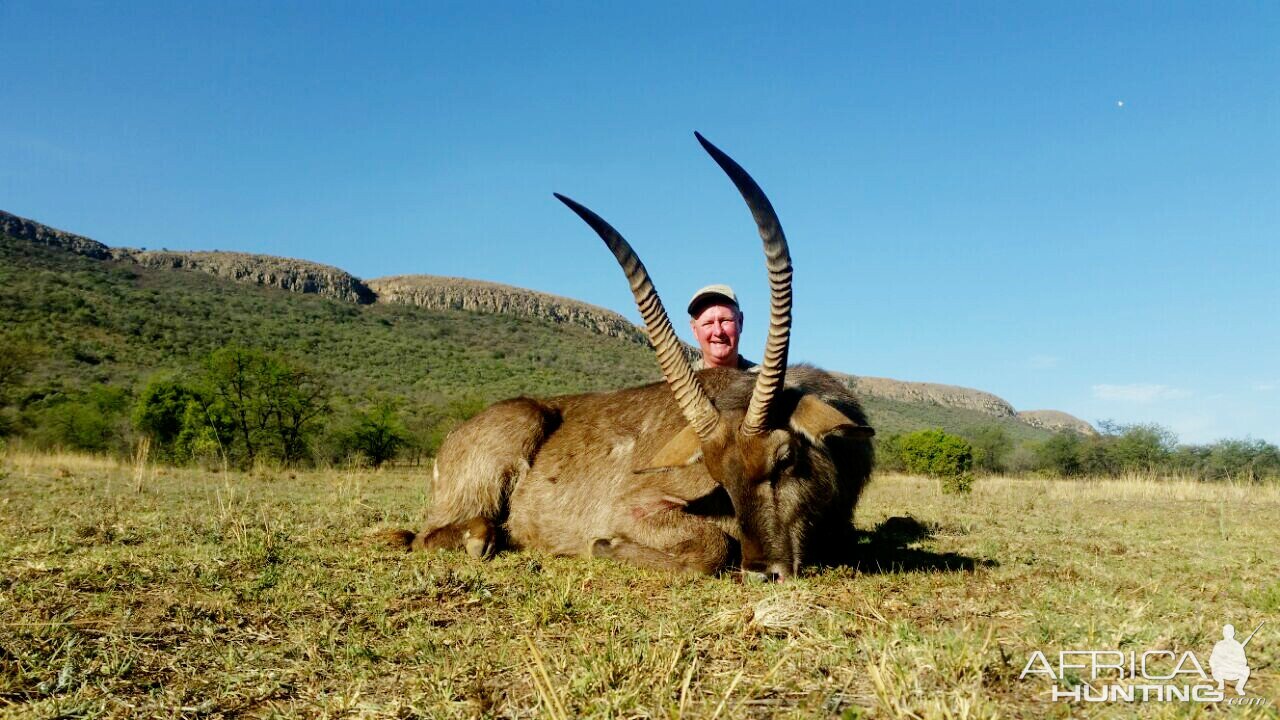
x=1138 y=393
x=1265 y=387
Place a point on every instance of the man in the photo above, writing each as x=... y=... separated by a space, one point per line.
x=1227 y=662
x=716 y=321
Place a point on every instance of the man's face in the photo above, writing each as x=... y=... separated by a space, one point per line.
x=716 y=328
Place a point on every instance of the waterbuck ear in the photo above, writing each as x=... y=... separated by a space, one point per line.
x=683 y=450
x=815 y=419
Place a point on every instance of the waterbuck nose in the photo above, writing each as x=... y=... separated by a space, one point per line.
x=778 y=572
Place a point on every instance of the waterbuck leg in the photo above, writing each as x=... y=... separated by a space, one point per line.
x=707 y=552
x=477 y=536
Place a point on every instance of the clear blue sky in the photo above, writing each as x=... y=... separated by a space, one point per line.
x=1074 y=206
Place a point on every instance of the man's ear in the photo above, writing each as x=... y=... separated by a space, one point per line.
x=683 y=450
x=814 y=419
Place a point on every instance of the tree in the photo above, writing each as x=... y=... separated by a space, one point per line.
x=889 y=453
x=1138 y=448
x=1060 y=454
x=16 y=360
x=91 y=420
x=234 y=382
x=161 y=408
x=1251 y=460
x=991 y=446
x=296 y=400
x=377 y=433
x=270 y=403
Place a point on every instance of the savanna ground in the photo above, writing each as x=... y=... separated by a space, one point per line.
x=141 y=591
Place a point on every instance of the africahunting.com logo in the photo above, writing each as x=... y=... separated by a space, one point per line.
x=1100 y=676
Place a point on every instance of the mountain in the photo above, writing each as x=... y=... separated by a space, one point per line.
x=117 y=314
x=446 y=293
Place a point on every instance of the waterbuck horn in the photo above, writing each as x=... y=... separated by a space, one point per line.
x=690 y=395
x=773 y=368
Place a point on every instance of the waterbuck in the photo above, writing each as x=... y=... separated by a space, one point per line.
x=704 y=471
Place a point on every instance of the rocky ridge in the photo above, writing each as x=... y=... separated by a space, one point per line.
x=298 y=276
x=446 y=293
x=932 y=393
x=284 y=273
x=32 y=231
x=1056 y=421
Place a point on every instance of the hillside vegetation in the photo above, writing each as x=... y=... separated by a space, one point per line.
x=115 y=321
x=91 y=316
x=96 y=331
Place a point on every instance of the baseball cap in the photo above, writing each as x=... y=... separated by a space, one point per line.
x=712 y=293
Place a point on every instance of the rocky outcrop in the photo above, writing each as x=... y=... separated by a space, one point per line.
x=446 y=293
x=32 y=231
x=933 y=394
x=1057 y=421
x=285 y=273
x=966 y=398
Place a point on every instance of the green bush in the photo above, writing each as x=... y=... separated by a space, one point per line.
x=1238 y=460
x=958 y=484
x=992 y=447
x=940 y=455
x=1060 y=454
x=889 y=453
x=161 y=413
x=91 y=421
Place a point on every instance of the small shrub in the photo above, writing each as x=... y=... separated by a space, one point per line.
x=961 y=484
x=940 y=455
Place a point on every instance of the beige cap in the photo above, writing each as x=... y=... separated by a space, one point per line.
x=712 y=292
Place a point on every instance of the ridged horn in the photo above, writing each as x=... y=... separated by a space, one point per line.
x=690 y=395
x=773 y=368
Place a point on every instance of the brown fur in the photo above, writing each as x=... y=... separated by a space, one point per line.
x=608 y=474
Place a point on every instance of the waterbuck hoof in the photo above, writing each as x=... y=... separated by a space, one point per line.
x=602 y=548
x=479 y=539
x=479 y=549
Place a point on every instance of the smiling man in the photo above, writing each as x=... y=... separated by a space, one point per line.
x=716 y=321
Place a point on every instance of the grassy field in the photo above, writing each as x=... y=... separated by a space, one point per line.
x=140 y=591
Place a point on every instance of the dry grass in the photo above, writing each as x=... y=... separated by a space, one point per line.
x=130 y=590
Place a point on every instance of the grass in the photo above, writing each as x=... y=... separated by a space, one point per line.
x=133 y=590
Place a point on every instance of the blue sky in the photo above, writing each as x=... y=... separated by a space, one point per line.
x=1074 y=206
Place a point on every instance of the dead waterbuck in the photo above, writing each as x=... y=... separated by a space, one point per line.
x=704 y=471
